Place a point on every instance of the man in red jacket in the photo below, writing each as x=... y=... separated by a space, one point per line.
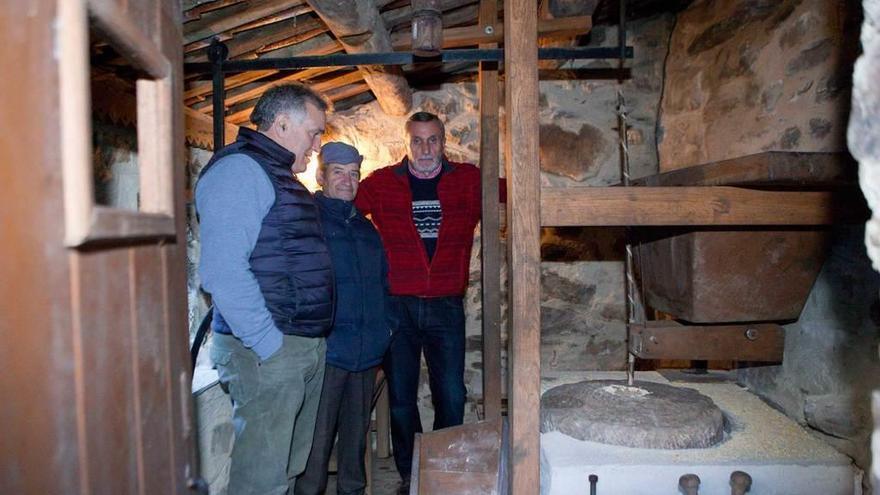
x=425 y=208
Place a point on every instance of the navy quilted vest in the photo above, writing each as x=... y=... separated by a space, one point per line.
x=290 y=261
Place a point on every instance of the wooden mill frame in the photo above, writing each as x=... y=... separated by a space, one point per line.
x=530 y=207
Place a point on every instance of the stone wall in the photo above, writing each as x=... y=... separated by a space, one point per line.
x=746 y=76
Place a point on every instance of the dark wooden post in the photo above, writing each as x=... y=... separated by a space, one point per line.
x=491 y=246
x=523 y=214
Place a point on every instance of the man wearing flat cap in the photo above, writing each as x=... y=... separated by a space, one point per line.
x=360 y=333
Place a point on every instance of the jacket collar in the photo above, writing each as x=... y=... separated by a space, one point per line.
x=266 y=145
x=336 y=207
x=401 y=168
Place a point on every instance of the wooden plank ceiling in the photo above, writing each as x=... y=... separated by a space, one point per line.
x=284 y=28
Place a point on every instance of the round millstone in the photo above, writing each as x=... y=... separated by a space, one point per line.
x=648 y=415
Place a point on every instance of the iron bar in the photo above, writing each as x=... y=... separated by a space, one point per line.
x=217 y=54
x=629 y=268
x=402 y=58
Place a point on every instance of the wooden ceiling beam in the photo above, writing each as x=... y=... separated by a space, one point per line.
x=244 y=114
x=288 y=27
x=199 y=92
x=361 y=97
x=254 y=41
x=272 y=19
x=235 y=16
x=361 y=30
x=291 y=40
x=403 y=15
x=257 y=91
x=195 y=13
x=344 y=92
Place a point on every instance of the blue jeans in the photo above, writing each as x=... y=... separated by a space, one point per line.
x=436 y=326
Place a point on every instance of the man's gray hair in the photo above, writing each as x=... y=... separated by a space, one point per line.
x=291 y=98
x=426 y=117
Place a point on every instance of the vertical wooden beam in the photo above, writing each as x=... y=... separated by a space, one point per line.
x=491 y=246
x=523 y=178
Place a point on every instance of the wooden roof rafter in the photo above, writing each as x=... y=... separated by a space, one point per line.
x=361 y=30
x=234 y=16
x=254 y=29
x=243 y=114
x=252 y=42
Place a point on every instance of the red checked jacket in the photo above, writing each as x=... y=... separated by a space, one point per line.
x=385 y=194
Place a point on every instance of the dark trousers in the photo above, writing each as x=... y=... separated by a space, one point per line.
x=345 y=406
x=435 y=326
x=274 y=404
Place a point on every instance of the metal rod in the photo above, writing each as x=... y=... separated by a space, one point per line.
x=629 y=269
x=217 y=54
x=593 y=481
x=403 y=58
x=621 y=33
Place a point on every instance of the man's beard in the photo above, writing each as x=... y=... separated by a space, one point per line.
x=425 y=172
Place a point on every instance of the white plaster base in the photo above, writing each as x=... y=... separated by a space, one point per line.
x=782 y=457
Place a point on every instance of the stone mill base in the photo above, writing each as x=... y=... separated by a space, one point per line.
x=782 y=457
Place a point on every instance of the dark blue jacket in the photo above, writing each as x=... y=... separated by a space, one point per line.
x=360 y=333
x=290 y=260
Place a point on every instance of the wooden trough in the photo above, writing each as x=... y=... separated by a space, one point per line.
x=740 y=274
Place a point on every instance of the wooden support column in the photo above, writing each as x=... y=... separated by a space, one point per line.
x=360 y=29
x=523 y=178
x=491 y=246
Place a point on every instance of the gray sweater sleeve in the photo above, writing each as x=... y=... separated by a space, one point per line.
x=232 y=198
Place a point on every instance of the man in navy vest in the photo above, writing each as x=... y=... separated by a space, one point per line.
x=266 y=265
x=360 y=333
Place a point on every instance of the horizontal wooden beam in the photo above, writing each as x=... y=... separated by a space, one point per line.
x=702 y=205
x=672 y=340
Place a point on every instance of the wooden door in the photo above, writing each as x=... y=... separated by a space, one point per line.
x=94 y=374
